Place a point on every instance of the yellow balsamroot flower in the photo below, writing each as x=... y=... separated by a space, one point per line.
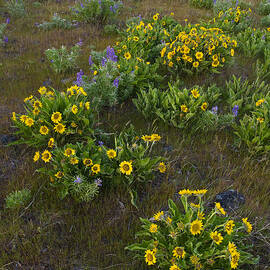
x=95 y=73
x=135 y=38
x=36 y=111
x=235 y=256
x=56 y=117
x=216 y=237
x=232 y=247
x=150 y=257
x=229 y=227
x=81 y=104
x=215 y=63
x=111 y=153
x=46 y=156
x=42 y=90
x=215 y=57
x=59 y=174
x=44 y=130
x=236 y=19
x=174 y=267
x=127 y=55
x=155 y=137
x=268 y=29
x=204 y=106
x=147 y=138
x=170 y=64
x=37 y=104
x=23 y=118
x=74 y=161
x=184 y=108
x=169 y=220
x=196 y=227
x=195 y=93
x=28 y=99
x=158 y=215
x=259 y=102
x=73 y=124
x=260 y=119
x=185 y=192
x=163 y=51
x=200 y=215
x=199 y=55
x=162 y=167
x=36 y=157
x=74 y=109
x=60 y=128
x=199 y=192
x=51 y=143
x=247 y=224
x=219 y=209
x=69 y=152
x=232 y=52
x=195 y=205
x=14 y=116
x=126 y=167
x=194 y=259
x=95 y=168
x=195 y=64
x=173 y=234
x=179 y=252
x=170 y=55
x=155 y=17
x=29 y=122
x=153 y=228
x=87 y=105
x=124 y=47
x=87 y=162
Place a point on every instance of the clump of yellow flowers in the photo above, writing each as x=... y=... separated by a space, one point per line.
x=195 y=238
x=54 y=118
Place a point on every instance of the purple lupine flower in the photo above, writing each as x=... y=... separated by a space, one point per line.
x=7 y=20
x=82 y=5
x=214 y=110
x=236 y=4
x=111 y=9
x=235 y=110
x=90 y=61
x=79 y=81
x=100 y=143
x=111 y=54
x=6 y=39
x=103 y=61
x=99 y=2
x=78 y=180
x=80 y=43
x=263 y=37
x=140 y=17
x=98 y=182
x=116 y=82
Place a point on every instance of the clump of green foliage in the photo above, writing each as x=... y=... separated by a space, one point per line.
x=56 y=22
x=264 y=8
x=2 y=30
x=62 y=60
x=96 y=11
x=16 y=8
x=82 y=169
x=18 y=198
x=190 y=109
x=191 y=238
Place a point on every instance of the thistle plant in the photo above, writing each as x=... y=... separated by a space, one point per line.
x=55 y=118
x=62 y=60
x=192 y=238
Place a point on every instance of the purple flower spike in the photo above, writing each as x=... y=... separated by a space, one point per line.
x=103 y=61
x=235 y=110
x=214 y=110
x=6 y=39
x=98 y=182
x=8 y=21
x=116 y=82
x=90 y=61
x=100 y=143
x=79 y=81
x=111 y=54
x=78 y=180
